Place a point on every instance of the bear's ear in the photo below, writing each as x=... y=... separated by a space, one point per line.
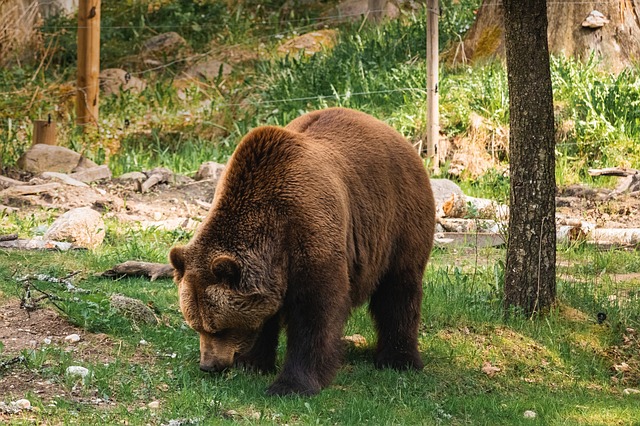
x=226 y=271
x=176 y=257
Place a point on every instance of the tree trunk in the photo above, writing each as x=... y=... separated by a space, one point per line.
x=616 y=43
x=531 y=249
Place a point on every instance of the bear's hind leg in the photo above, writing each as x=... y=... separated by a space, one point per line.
x=395 y=307
x=262 y=356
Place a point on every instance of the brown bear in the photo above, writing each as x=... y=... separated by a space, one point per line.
x=307 y=222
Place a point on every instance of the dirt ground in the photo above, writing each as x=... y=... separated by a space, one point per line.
x=184 y=202
x=21 y=330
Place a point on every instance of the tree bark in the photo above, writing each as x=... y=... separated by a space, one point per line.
x=616 y=43
x=530 y=284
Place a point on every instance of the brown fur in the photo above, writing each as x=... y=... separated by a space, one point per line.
x=309 y=221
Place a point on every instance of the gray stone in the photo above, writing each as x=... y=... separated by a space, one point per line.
x=132 y=176
x=93 y=174
x=165 y=46
x=83 y=227
x=207 y=70
x=133 y=309
x=445 y=191
x=51 y=158
x=115 y=80
x=63 y=178
x=209 y=170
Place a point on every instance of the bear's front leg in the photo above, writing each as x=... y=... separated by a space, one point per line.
x=262 y=355
x=315 y=315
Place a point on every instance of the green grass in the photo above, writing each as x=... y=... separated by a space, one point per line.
x=559 y=366
x=377 y=69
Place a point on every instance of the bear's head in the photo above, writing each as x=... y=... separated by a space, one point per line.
x=225 y=300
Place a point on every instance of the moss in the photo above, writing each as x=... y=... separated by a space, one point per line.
x=488 y=43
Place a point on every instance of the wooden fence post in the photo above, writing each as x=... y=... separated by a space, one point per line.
x=44 y=131
x=88 y=62
x=433 y=125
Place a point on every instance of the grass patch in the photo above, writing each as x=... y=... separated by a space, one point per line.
x=561 y=366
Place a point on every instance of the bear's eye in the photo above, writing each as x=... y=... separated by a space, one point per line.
x=226 y=271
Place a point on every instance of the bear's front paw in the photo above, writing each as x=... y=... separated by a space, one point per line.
x=258 y=365
x=284 y=387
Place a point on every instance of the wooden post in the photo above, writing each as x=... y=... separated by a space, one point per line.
x=44 y=131
x=88 y=62
x=433 y=125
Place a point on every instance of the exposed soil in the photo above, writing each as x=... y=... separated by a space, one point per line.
x=21 y=330
x=184 y=202
x=169 y=205
x=601 y=207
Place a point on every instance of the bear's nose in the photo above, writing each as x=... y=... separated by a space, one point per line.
x=213 y=368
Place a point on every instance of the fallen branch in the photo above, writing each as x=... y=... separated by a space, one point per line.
x=613 y=171
x=48 y=278
x=19 y=190
x=140 y=269
x=9 y=362
x=8 y=237
x=36 y=245
x=6 y=182
x=156 y=176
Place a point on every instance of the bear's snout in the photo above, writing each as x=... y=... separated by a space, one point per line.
x=215 y=367
x=216 y=354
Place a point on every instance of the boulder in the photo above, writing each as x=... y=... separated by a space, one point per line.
x=83 y=227
x=209 y=170
x=50 y=158
x=450 y=200
x=207 y=70
x=134 y=309
x=115 y=80
x=92 y=174
x=309 y=43
x=63 y=178
x=163 y=48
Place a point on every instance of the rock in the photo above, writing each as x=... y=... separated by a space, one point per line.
x=484 y=208
x=72 y=338
x=64 y=178
x=51 y=8
x=50 y=158
x=23 y=404
x=115 y=80
x=156 y=176
x=84 y=164
x=133 y=309
x=209 y=170
x=207 y=70
x=92 y=174
x=83 y=227
x=444 y=191
x=166 y=46
x=354 y=10
x=529 y=414
x=154 y=405
x=75 y=370
x=356 y=340
x=310 y=43
x=132 y=176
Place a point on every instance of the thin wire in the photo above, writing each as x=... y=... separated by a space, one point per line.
x=214 y=24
